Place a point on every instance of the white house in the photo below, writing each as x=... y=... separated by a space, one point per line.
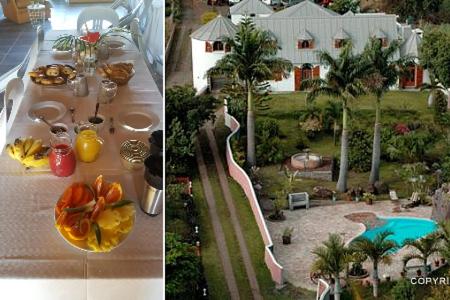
x=302 y=30
x=251 y=8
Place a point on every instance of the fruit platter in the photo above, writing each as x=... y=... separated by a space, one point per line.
x=52 y=75
x=95 y=217
x=29 y=152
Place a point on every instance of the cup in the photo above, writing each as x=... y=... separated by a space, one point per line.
x=107 y=91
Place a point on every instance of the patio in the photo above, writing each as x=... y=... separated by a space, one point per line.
x=311 y=228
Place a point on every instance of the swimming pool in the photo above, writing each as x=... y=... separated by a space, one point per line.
x=403 y=229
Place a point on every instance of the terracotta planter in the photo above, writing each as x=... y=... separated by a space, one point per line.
x=369 y=201
x=286 y=239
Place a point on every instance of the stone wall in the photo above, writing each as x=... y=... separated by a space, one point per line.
x=441 y=206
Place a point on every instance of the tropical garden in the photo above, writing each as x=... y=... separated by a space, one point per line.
x=379 y=139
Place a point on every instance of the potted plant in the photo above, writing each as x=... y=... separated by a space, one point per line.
x=369 y=198
x=278 y=204
x=287 y=234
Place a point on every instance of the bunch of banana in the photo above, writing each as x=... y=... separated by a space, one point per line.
x=30 y=152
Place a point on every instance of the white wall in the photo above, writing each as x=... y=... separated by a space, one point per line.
x=284 y=85
x=202 y=61
x=237 y=18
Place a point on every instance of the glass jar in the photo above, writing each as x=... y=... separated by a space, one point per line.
x=62 y=158
x=88 y=144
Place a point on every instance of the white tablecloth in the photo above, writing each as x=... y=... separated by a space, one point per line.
x=35 y=262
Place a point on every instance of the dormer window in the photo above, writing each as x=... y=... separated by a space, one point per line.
x=305 y=40
x=218 y=46
x=340 y=38
x=381 y=36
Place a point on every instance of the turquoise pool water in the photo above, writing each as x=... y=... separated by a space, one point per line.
x=403 y=228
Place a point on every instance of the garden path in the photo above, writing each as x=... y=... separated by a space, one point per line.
x=217 y=226
x=223 y=180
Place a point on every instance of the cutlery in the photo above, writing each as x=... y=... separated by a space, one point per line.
x=72 y=112
x=97 y=105
x=111 y=125
x=45 y=121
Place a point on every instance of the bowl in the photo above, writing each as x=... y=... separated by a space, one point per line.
x=58 y=128
x=98 y=121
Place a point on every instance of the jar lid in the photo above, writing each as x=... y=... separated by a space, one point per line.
x=134 y=151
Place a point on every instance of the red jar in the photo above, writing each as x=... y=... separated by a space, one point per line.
x=62 y=158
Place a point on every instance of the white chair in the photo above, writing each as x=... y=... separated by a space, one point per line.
x=11 y=101
x=298 y=199
x=126 y=20
x=97 y=15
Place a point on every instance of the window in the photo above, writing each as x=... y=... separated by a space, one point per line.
x=383 y=41
x=339 y=43
x=218 y=46
x=252 y=15
x=208 y=47
x=305 y=44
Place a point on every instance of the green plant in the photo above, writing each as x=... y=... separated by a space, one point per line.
x=440 y=108
x=360 y=151
x=424 y=247
x=403 y=290
x=269 y=148
x=208 y=16
x=278 y=204
x=267 y=126
x=302 y=141
x=288 y=231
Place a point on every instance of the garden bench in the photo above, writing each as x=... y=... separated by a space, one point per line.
x=298 y=199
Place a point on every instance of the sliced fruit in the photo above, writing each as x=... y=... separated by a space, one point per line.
x=61 y=219
x=77 y=193
x=98 y=208
x=114 y=193
x=80 y=230
x=71 y=220
x=98 y=183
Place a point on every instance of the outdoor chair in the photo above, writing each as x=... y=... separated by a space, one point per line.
x=298 y=199
x=11 y=100
x=97 y=15
x=393 y=195
x=413 y=201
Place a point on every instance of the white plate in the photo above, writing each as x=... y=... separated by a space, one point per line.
x=115 y=44
x=138 y=121
x=52 y=111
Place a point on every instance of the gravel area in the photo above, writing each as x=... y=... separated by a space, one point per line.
x=312 y=226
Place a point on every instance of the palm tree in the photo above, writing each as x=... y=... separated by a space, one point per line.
x=386 y=71
x=377 y=250
x=344 y=81
x=252 y=60
x=333 y=112
x=425 y=248
x=433 y=87
x=332 y=259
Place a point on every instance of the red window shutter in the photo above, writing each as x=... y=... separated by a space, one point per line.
x=208 y=47
x=299 y=44
x=337 y=44
x=311 y=44
x=419 y=76
x=316 y=72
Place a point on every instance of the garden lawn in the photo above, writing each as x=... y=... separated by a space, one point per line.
x=285 y=109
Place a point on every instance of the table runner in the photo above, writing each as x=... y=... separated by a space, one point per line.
x=30 y=246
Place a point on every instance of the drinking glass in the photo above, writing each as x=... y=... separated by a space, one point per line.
x=107 y=91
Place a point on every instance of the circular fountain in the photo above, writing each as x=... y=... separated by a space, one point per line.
x=306 y=161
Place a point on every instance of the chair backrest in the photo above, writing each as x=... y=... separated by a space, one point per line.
x=97 y=15
x=121 y=3
x=126 y=20
x=11 y=101
x=137 y=37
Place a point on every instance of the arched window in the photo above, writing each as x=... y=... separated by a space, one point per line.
x=218 y=46
x=305 y=44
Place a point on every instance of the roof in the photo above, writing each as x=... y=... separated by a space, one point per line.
x=359 y=28
x=304 y=35
x=341 y=35
x=248 y=7
x=215 y=30
x=305 y=9
x=411 y=45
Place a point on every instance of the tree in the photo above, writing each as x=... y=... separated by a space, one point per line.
x=434 y=86
x=378 y=250
x=252 y=60
x=332 y=259
x=386 y=72
x=343 y=6
x=183 y=269
x=403 y=290
x=333 y=112
x=344 y=82
x=425 y=248
x=434 y=54
x=180 y=148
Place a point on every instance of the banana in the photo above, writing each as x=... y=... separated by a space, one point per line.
x=35 y=147
x=27 y=144
x=19 y=153
x=35 y=161
x=10 y=151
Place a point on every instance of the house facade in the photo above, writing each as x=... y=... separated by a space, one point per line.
x=301 y=30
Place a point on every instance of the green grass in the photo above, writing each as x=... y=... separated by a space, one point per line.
x=210 y=258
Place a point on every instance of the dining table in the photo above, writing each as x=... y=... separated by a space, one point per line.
x=35 y=260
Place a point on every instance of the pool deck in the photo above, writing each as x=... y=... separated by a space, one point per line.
x=312 y=226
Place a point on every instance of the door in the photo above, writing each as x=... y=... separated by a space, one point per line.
x=298 y=78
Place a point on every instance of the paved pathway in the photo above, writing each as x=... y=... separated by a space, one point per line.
x=233 y=214
x=217 y=226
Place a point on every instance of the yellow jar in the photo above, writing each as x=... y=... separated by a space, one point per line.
x=88 y=145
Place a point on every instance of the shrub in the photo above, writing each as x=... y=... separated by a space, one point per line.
x=268 y=126
x=360 y=150
x=208 y=16
x=403 y=290
x=440 y=109
x=269 y=150
x=445 y=168
x=302 y=141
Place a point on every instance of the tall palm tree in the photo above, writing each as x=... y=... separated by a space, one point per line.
x=333 y=112
x=425 y=248
x=377 y=250
x=332 y=259
x=386 y=71
x=252 y=60
x=344 y=82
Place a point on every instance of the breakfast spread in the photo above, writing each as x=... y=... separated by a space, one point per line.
x=52 y=75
